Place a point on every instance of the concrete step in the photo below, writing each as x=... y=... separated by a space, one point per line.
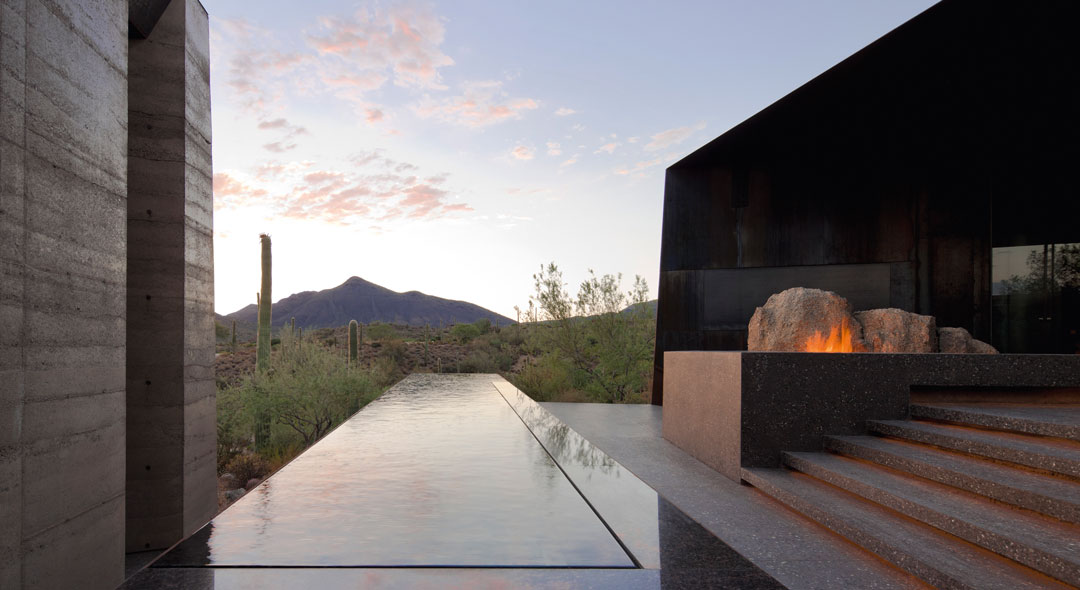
x=940 y=560
x=1041 y=543
x=1052 y=496
x=1049 y=454
x=1057 y=420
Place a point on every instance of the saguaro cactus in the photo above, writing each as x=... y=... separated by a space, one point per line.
x=262 y=346
x=234 y=335
x=354 y=346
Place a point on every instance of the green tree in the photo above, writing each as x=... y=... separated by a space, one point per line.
x=606 y=335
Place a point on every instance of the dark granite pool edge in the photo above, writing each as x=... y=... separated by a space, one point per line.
x=687 y=554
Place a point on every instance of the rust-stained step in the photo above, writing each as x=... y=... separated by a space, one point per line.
x=1052 y=496
x=1039 y=542
x=941 y=560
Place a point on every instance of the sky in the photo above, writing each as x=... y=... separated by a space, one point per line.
x=454 y=147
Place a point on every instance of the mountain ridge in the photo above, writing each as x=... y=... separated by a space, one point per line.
x=366 y=302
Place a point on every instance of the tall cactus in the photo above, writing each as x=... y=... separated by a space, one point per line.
x=234 y=335
x=262 y=346
x=354 y=347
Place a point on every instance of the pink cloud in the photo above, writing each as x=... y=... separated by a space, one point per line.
x=670 y=137
x=645 y=164
x=607 y=147
x=230 y=191
x=378 y=188
x=403 y=41
x=279 y=147
x=522 y=153
x=564 y=111
x=480 y=104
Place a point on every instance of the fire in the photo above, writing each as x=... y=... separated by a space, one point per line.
x=839 y=340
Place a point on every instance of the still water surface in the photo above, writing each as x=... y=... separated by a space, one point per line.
x=424 y=476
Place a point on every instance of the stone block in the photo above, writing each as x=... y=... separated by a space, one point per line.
x=789 y=320
x=896 y=330
x=960 y=341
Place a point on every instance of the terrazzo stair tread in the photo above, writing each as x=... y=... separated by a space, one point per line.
x=1052 y=496
x=939 y=559
x=1060 y=420
x=1041 y=543
x=1053 y=455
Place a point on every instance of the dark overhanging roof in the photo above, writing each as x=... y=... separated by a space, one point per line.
x=982 y=76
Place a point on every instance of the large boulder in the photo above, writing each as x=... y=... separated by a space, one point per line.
x=789 y=319
x=960 y=341
x=896 y=330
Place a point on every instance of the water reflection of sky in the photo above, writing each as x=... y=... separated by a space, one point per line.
x=425 y=475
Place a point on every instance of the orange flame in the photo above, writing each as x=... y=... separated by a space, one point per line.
x=839 y=340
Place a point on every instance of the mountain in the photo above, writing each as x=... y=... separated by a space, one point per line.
x=357 y=299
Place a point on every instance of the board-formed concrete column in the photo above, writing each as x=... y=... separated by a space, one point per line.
x=171 y=426
x=63 y=153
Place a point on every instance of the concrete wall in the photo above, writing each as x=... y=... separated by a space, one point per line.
x=63 y=167
x=171 y=452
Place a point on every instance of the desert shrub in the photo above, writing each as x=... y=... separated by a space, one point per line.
x=385 y=372
x=483 y=325
x=395 y=350
x=477 y=361
x=543 y=379
x=464 y=332
x=605 y=335
x=380 y=331
x=246 y=466
x=308 y=391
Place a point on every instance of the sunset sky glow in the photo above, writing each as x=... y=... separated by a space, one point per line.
x=452 y=148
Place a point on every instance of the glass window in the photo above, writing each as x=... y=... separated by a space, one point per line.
x=1036 y=298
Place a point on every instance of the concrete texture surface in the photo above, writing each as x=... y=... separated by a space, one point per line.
x=63 y=160
x=170 y=382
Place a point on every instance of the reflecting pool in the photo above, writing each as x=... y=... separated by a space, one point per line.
x=452 y=480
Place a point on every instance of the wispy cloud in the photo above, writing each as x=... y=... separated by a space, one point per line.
x=372 y=188
x=286 y=142
x=670 y=137
x=638 y=167
x=522 y=152
x=480 y=104
x=231 y=192
x=554 y=149
x=399 y=42
x=564 y=111
x=607 y=147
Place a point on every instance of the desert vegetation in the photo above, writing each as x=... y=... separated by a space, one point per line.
x=280 y=393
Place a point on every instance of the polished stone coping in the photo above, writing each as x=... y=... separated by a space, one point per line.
x=625 y=504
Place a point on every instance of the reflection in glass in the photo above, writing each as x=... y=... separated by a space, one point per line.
x=1036 y=298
